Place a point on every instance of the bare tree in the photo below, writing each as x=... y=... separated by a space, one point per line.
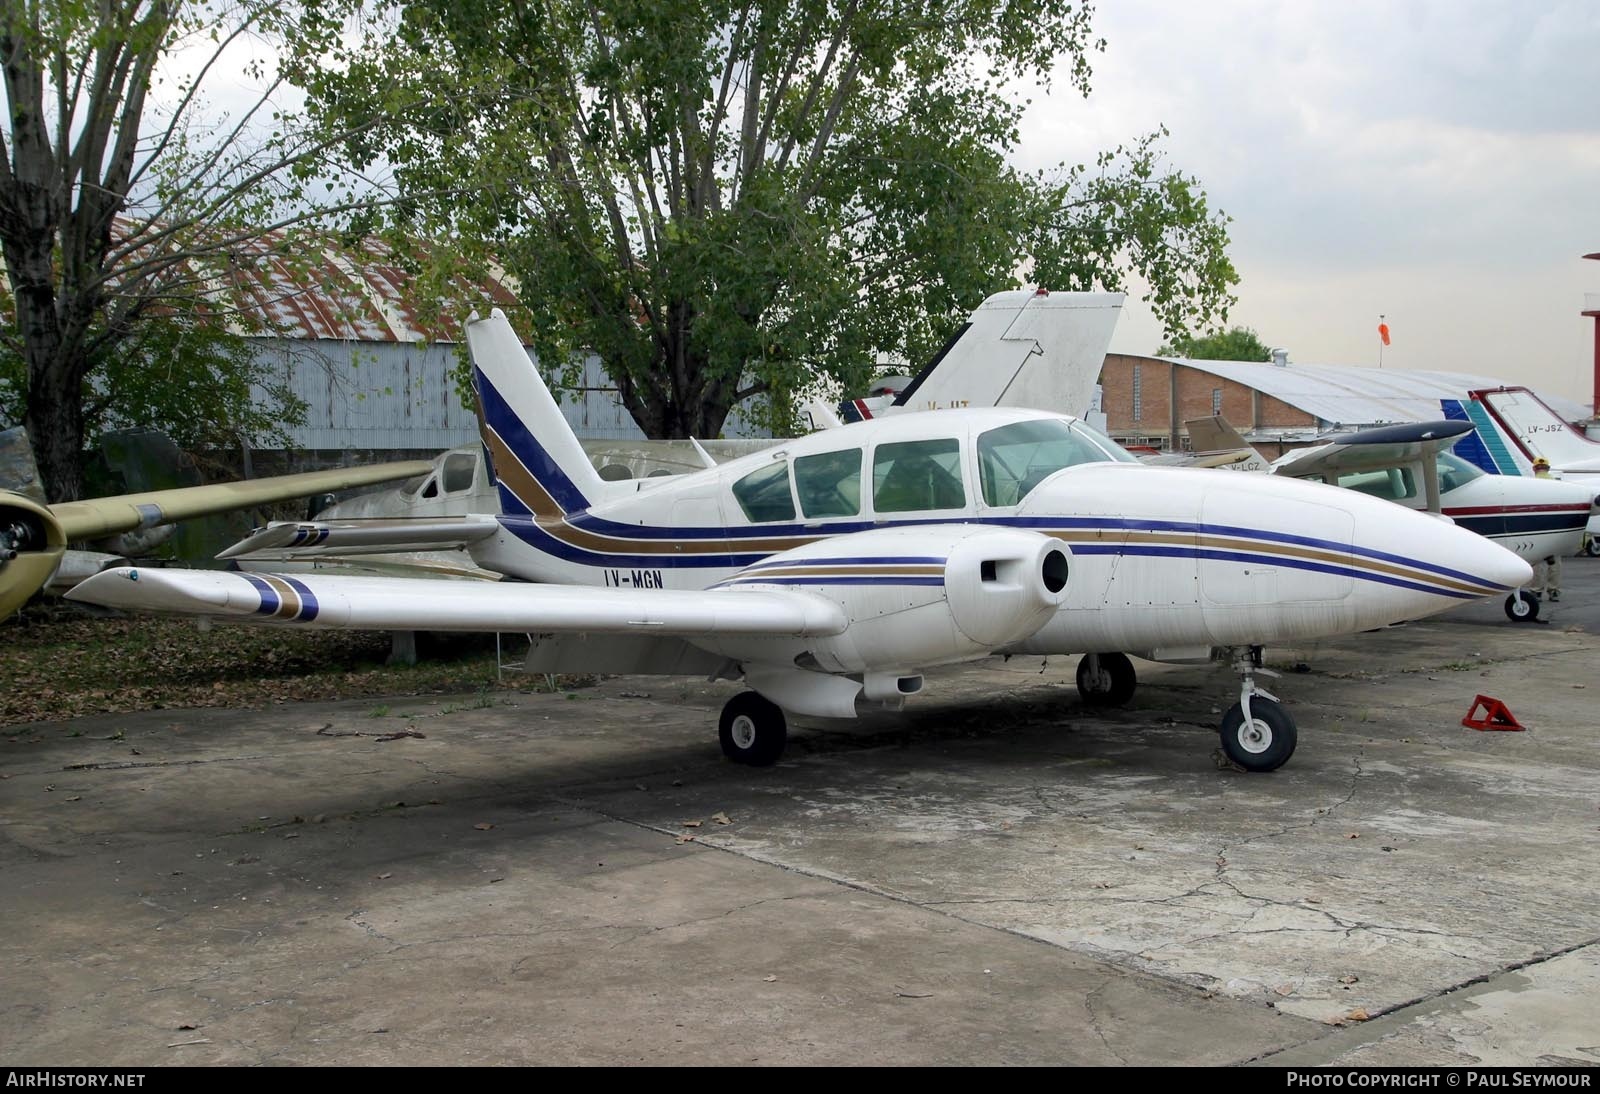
x=122 y=197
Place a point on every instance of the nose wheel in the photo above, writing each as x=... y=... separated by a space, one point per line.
x=1257 y=733
x=752 y=730
x=1522 y=606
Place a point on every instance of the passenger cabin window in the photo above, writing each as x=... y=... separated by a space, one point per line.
x=829 y=484
x=916 y=475
x=764 y=494
x=1014 y=459
x=458 y=472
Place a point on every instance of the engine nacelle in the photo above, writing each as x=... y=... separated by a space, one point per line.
x=914 y=597
x=32 y=544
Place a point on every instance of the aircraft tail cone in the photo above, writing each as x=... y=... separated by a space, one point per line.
x=1495 y=716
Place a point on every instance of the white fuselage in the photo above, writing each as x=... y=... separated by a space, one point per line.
x=1184 y=558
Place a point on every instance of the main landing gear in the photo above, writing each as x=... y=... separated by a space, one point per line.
x=1106 y=679
x=1257 y=733
x=752 y=730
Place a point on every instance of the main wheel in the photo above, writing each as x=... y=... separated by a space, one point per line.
x=1106 y=679
x=1266 y=743
x=1522 y=606
x=752 y=730
x=1591 y=546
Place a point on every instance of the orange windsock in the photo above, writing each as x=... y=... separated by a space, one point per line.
x=1383 y=332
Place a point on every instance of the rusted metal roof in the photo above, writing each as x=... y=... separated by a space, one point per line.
x=337 y=293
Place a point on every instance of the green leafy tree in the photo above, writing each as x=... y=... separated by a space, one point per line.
x=728 y=199
x=201 y=384
x=1234 y=344
x=122 y=198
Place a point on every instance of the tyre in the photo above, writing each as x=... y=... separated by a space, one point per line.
x=1522 y=606
x=1266 y=743
x=1111 y=684
x=1591 y=546
x=752 y=730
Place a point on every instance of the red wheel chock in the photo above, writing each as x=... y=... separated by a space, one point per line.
x=1495 y=716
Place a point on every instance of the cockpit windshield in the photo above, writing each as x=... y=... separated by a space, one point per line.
x=1455 y=471
x=1014 y=459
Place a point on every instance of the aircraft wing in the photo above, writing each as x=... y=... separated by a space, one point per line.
x=363 y=535
x=1371 y=449
x=98 y=517
x=378 y=603
x=1200 y=459
x=1374 y=449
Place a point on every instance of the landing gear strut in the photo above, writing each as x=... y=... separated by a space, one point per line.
x=1257 y=733
x=1106 y=679
x=752 y=730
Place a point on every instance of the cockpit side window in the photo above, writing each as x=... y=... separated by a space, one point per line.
x=1389 y=483
x=917 y=475
x=829 y=483
x=764 y=493
x=1015 y=458
x=458 y=472
x=1456 y=472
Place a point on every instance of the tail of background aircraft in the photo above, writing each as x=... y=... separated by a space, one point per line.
x=1031 y=348
x=539 y=466
x=1536 y=430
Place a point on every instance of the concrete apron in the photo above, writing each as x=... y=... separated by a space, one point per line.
x=999 y=875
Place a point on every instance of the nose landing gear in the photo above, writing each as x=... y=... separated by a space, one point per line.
x=1257 y=733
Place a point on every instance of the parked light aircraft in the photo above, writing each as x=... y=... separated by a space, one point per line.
x=1516 y=427
x=837 y=568
x=34 y=535
x=1410 y=464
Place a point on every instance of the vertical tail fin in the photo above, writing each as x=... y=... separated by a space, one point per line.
x=539 y=466
x=1031 y=349
x=1216 y=434
x=1536 y=429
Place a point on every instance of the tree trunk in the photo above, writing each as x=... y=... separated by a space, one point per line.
x=54 y=420
x=53 y=412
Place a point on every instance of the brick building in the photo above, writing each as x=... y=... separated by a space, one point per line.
x=1276 y=405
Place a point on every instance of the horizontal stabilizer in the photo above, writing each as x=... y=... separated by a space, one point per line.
x=378 y=603
x=313 y=539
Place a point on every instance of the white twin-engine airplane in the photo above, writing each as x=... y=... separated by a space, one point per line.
x=836 y=568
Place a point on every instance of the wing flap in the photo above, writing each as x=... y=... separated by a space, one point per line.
x=378 y=603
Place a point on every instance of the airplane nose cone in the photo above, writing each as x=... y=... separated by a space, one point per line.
x=1505 y=568
x=1484 y=561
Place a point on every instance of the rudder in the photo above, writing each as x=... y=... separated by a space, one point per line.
x=539 y=466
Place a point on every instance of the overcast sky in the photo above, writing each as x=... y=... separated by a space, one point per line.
x=1435 y=161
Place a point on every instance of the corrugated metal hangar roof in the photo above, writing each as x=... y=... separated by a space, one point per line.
x=1343 y=395
x=358 y=293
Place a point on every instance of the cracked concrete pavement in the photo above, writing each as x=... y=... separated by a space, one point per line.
x=997 y=875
